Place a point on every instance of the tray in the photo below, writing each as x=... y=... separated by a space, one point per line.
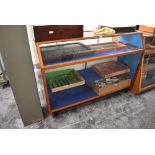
x=110 y=69
x=64 y=52
x=105 y=47
x=123 y=83
x=61 y=80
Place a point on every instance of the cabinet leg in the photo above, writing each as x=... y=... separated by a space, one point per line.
x=126 y=90
x=54 y=114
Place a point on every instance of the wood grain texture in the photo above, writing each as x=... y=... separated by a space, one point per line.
x=110 y=69
x=112 y=88
x=136 y=86
x=145 y=28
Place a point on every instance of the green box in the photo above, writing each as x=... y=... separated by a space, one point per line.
x=65 y=79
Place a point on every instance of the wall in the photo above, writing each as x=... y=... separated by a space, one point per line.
x=1 y=60
x=15 y=50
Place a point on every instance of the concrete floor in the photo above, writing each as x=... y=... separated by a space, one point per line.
x=121 y=110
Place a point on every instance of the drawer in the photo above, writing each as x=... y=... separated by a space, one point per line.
x=112 y=88
x=57 y=32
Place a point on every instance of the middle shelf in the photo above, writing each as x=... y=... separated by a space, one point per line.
x=75 y=53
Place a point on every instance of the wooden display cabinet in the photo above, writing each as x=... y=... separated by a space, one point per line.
x=130 y=55
x=145 y=79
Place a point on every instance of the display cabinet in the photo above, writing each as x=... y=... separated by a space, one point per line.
x=66 y=87
x=146 y=75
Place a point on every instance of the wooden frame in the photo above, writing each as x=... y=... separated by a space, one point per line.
x=44 y=68
x=101 y=69
x=144 y=28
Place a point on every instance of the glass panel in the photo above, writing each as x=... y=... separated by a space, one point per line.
x=61 y=53
x=65 y=52
x=148 y=76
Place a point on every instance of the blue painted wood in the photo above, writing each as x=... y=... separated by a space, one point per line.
x=132 y=61
x=135 y=40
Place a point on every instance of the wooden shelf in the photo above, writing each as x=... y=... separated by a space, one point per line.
x=146 y=29
x=96 y=57
x=148 y=87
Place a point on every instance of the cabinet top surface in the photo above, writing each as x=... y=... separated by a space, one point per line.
x=88 y=35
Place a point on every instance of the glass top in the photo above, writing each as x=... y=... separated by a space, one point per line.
x=61 y=53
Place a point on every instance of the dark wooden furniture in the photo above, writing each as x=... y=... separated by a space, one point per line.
x=56 y=32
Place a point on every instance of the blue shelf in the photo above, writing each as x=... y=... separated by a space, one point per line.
x=76 y=94
x=71 y=96
x=89 y=75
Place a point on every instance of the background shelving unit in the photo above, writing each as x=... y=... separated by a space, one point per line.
x=131 y=56
x=145 y=79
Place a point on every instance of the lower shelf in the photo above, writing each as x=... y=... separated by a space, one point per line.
x=151 y=86
x=71 y=96
x=77 y=95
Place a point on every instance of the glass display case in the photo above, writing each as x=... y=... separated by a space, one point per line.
x=148 y=76
x=58 y=55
